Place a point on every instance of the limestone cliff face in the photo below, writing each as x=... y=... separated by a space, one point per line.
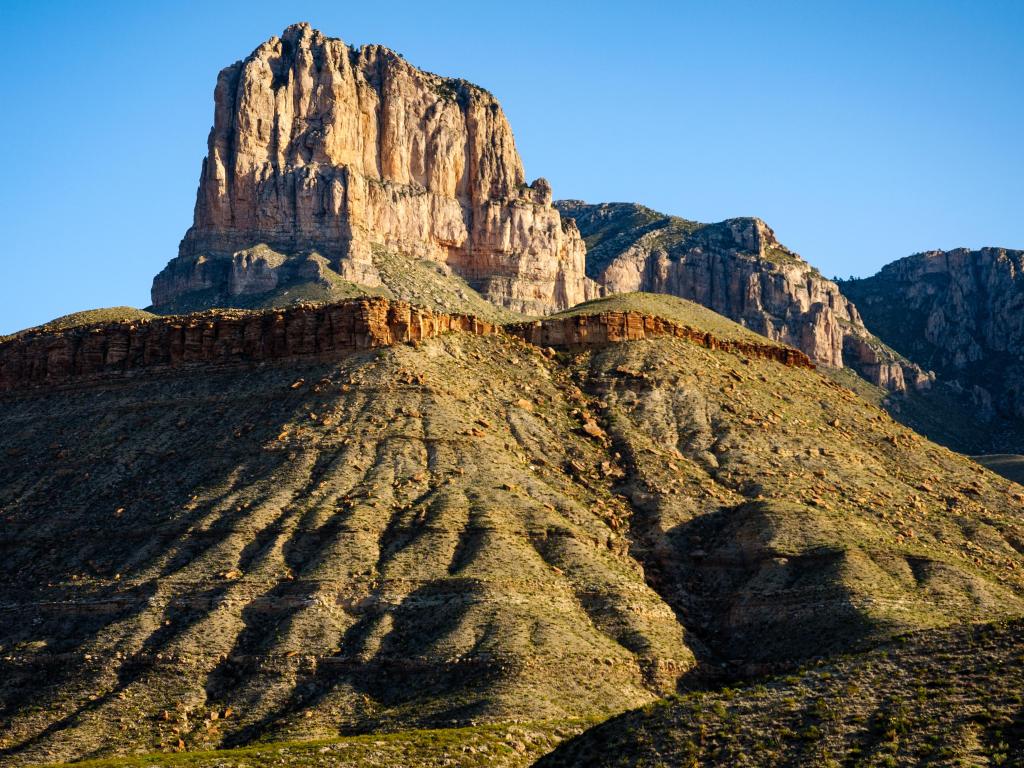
x=739 y=269
x=318 y=147
x=960 y=312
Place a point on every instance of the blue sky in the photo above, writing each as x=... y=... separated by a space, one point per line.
x=861 y=131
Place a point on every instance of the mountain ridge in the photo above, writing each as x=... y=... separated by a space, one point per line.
x=738 y=268
x=958 y=312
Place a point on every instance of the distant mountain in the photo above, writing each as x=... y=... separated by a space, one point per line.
x=739 y=269
x=960 y=313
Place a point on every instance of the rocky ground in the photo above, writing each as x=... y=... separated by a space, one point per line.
x=947 y=697
x=471 y=529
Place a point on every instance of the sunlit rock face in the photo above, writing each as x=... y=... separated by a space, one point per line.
x=319 y=147
x=739 y=269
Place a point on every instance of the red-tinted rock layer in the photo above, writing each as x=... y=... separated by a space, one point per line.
x=225 y=337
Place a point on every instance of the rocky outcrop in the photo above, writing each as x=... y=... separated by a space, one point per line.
x=613 y=327
x=321 y=148
x=739 y=269
x=960 y=312
x=310 y=332
x=221 y=337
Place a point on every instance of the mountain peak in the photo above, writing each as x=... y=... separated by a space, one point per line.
x=314 y=149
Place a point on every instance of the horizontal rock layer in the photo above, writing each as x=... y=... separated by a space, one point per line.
x=320 y=147
x=612 y=327
x=310 y=332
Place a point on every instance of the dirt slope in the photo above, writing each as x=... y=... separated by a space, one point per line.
x=463 y=530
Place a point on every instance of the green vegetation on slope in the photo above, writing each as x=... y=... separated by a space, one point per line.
x=309 y=278
x=947 y=697
x=86 y=317
x=783 y=516
x=502 y=746
x=434 y=286
x=679 y=311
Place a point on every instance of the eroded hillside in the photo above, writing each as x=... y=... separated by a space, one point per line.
x=398 y=539
x=461 y=529
x=943 y=697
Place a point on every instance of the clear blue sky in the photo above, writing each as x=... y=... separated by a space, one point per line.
x=861 y=131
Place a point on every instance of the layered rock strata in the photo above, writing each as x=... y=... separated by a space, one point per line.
x=739 y=269
x=321 y=148
x=310 y=332
x=612 y=327
x=959 y=312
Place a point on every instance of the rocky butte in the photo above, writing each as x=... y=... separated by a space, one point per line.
x=325 y=153
x=327 y=166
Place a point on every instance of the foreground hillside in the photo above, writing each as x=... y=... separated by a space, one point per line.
x=267 y=535
x=515 y=745
x=394 y=539
x=947 y=697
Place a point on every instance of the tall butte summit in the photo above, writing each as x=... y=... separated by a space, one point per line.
x=407 y=465
x=321 y=154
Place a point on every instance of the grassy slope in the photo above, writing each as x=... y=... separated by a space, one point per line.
x=87 y=317
x=948 y=697
x=426 y=536
x=404 y=539
x=419 y=281
x=672 y=308
x=434 y=286
x=782 y=515
x=501 y=746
